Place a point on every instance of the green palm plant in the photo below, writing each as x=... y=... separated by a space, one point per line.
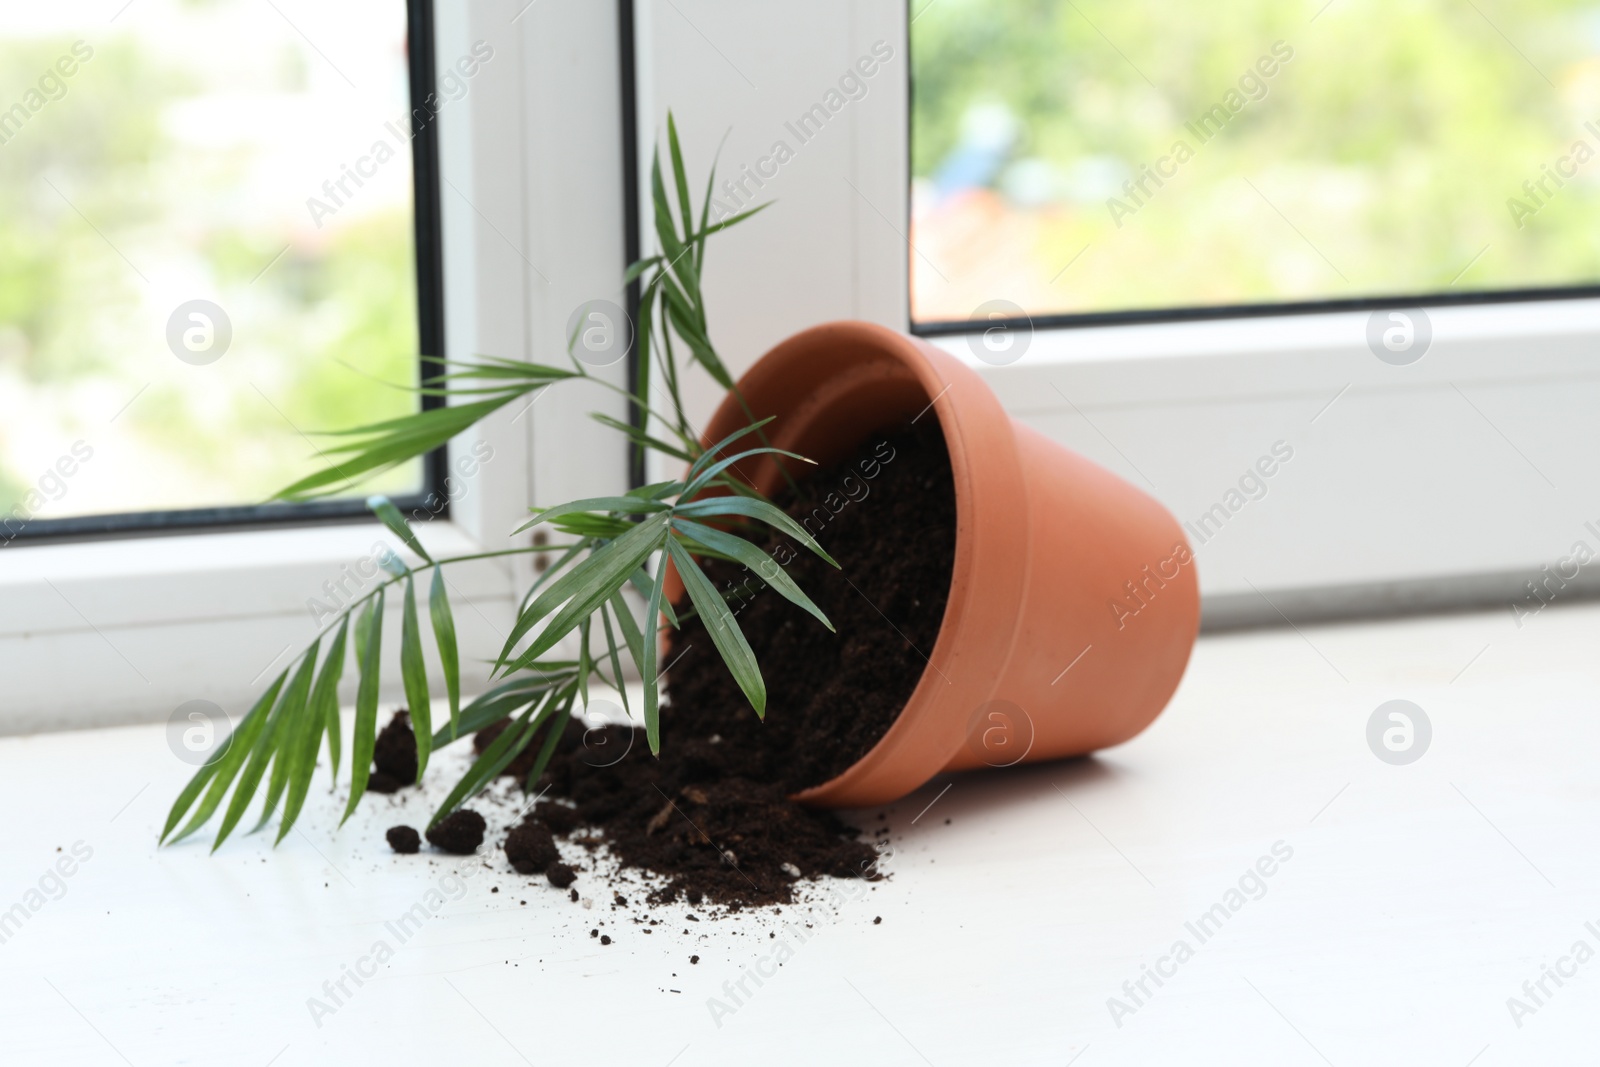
x=609 y=544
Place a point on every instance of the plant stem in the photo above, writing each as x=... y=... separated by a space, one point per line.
x=410 y=572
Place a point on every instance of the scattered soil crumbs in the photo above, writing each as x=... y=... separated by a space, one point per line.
x=531 y=849
x=403 y=839
x=460 y=832
x=711 y=817
x=394 y=756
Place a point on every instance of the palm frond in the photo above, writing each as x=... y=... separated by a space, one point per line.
x=613 y=564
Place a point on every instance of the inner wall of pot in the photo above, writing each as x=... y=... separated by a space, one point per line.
x=834 y=416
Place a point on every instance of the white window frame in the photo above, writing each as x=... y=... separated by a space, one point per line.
x=116 y=630
x=1451 y=482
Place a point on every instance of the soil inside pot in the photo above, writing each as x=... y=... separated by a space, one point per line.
x=711 y=816
x=888 y=515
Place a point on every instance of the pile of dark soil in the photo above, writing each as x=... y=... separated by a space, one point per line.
x=460 y=832
x=403 y=839
x=394 y=756
x=711 y=816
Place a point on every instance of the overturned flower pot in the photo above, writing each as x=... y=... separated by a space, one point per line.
x=1073 y=603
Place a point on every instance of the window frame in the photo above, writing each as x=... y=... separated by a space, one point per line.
x=1500 y=363
x=1208 y=312
x=106 y=629
x=199 y=613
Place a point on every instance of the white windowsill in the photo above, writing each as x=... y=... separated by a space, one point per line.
x=115 y=631
x=246 y=569
x=1417 y=900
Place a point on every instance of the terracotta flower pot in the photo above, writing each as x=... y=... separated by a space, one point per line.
x=1073 y=603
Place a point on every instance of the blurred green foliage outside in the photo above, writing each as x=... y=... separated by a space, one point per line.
x=1386 y=155
x=117 y=203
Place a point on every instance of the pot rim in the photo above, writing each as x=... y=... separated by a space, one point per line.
x=977 y=629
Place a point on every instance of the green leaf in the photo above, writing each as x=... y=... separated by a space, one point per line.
x=295 y=714
x=623 y=505
x=642 y=584
x=647 y=669
x=642 y=350
x=494 y=378
x=219 y=770
x=264 y=747
x=598 y=527
x=552 y=572
x=363 y=632
x=393 y=442
x=335 y=729
x=616 y=661
x=671 y=247
x=639 y=267
x=414 y=677
x=722 y=627
x=732 y=220
x=279 y=771
x=638 y=436
x=504 y=699
x=679 y=174
x=749 y=507
x=392 y=563
x=699 y=241
x=581 y=590
x=552 y=737
x=630 y=629
x=669 y=366
x=721 y=465
x=699 y=344
x=656 y=490
x=710 y=455
x=391 y=517
x=585 y=663
x=560 y=585
x=444 y=636
x=765 y=567
x=364 y=735
x=678 y=305
x=196 y=783
x=303 y=755
x=498 y=367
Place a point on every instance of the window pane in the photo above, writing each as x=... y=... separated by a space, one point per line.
x=191 y=281
x=1095 y=156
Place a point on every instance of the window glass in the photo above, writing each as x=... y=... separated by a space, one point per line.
x=206 y=248
x=1084 y=156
